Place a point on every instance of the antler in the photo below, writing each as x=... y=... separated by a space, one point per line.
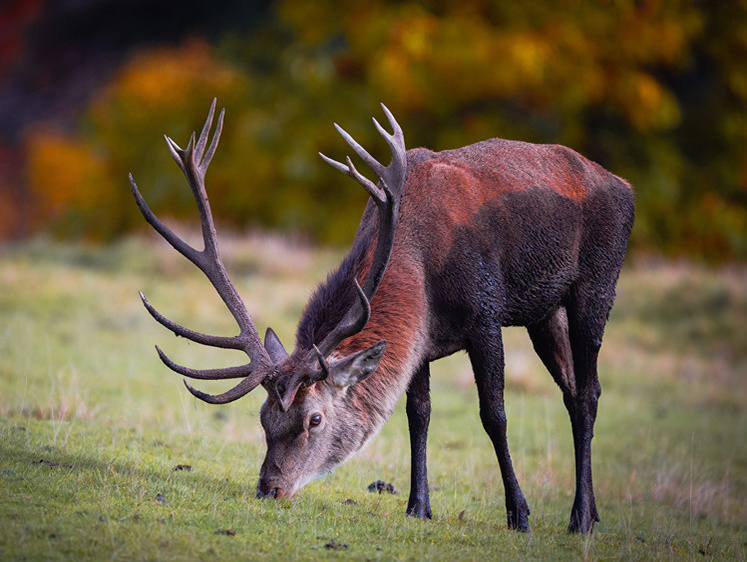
x=194 y=162
x=386 y=195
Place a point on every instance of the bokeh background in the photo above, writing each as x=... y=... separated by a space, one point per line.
x=92 y=424
x=654 y=91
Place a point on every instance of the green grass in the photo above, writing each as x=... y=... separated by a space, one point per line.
x=92 y=425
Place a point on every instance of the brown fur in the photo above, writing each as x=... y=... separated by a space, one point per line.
x=494 y=234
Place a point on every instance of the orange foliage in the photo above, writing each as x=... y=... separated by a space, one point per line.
x=163 y=77
x=655 y=91
x=63 y=173
x=79 y=181
x=165 y=80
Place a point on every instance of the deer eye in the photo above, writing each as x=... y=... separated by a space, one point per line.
x=315 y=420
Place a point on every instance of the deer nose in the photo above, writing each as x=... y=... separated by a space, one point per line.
x=269 y=494
x=266 y=488
x=269 y=488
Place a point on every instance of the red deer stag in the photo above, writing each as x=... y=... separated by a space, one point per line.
x=452 y=246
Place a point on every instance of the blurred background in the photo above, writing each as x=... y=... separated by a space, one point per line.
x=654 y=91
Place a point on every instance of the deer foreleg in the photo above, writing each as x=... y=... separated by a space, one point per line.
x=418 y=417
x=486 y=356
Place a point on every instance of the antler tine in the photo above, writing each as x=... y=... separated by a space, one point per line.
x=225 y=342
x=372 y=163
x=237 y=372
x=194 y=162
x=244 y=387
x=392 y=182
x=398 y=134
x=335 y=164
x=373 y=190
x=201 y=142
x=175 y=150
x=177 y=243
x=396 y=142
x=214 y=143
x=322 y=362
x=350 y=170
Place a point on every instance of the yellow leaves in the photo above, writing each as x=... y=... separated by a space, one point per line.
x=405 y=48
x=646 y=103
x=565 y=56
x=561 y=57
x=531 y=57
x=164 y=76
x=461 y=58
x=654 y=32
x=164 y=81
x=653 y=107
x=416 y=35
x=591 y=74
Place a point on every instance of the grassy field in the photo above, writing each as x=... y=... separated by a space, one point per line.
x=105 y=455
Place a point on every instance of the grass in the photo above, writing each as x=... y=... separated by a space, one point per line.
x=93 y=427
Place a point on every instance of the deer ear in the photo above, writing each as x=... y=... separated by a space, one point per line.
x=274 y=348
x=356 y=367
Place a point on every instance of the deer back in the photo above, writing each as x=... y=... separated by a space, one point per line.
x=499 y=228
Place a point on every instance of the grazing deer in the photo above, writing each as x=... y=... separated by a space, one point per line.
x=452 y=246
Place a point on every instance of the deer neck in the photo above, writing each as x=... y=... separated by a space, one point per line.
x=399 y=316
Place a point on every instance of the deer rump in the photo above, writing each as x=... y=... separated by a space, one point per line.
x=452 y=246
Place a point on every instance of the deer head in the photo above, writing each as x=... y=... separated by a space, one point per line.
x=310 y=427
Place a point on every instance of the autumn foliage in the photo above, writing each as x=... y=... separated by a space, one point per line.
x=654 y=91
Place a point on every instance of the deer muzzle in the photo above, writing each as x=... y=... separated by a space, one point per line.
x=269 y=489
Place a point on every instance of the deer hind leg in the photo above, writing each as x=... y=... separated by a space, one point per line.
x=418 y=417
x=486 y=355
x=569 y=347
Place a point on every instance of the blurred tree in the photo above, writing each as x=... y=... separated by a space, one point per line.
x=54 y=54
x=68 y=180
x=654 y=91
x=164 y=89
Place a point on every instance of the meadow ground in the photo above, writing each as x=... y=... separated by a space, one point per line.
x=104 y=455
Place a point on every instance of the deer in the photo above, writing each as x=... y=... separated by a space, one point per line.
x=452 y=247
